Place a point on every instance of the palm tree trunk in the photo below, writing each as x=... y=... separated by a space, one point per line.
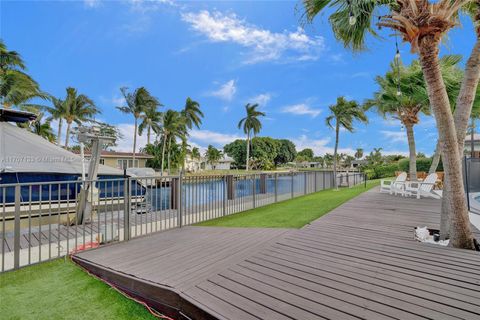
x=337 y=135
x=248 y=149
x=466 y=95
x=461 y=235
x=435 y=158
x=163 y=153
x=135 y=140
x=168 y=157
x=148 y=135
x=59 y=135
x=67 y=136
x=412 y=151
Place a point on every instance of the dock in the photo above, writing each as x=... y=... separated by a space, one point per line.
x=360 y=261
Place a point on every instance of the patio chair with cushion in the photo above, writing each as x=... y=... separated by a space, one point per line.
x=422 y=188
x=394 y=186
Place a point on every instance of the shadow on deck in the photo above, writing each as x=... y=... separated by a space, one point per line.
x=358 y=262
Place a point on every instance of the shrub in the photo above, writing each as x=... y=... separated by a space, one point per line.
x=385 y=170
x=423 y=164
x=370 y=173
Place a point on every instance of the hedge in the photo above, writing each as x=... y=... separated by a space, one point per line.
x=423 y=164
x=385 y=170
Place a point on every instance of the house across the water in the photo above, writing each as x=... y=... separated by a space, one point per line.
x=122 y=160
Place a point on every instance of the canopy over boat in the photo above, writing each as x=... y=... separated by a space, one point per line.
x=24 y=152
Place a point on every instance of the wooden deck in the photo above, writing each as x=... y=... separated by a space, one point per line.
x=358 y=262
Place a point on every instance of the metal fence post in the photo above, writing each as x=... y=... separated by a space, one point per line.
x=467 y=188
x=276 y=187
x=305 y=183
x=179 y=199
x=16 y=240
x=292 y=191
x=225 y=190
x=365 y=179
x=253 y=192
x=324 y=180
x=126 y=209
x=315 y=186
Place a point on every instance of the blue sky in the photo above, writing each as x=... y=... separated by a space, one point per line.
x=222 y=54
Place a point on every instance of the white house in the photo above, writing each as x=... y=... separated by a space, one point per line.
x=191 y=164
x=223 y=164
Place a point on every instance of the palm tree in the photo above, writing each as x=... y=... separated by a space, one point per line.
x=403 y=96
x=16 y=87
x=343 y=113
x=78 y=109
x=151 y=120
x=137 y=103
x=195 y=153
x=359 y=153
x=58 y=112
x=173 y=128
x=251 y=123
x=42 y=128
x=423 y=24
x=192 y=114
x=213 y=155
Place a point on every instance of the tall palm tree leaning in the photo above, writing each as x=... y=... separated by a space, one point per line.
x=137 y=103
x=343 y=113
x=251 y=123
x=192 y=116
x=78 y=109
x=16 y=87
x=422 y=23
x=151 y=121
x=403 y=96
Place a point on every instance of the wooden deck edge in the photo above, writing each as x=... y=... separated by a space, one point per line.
x=165 y=300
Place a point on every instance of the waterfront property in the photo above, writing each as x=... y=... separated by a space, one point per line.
x=359 y=261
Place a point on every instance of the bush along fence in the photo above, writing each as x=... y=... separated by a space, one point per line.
x=41 y=221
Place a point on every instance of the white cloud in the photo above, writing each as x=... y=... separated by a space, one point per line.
x=395 y=136
x=118 y=101
x=301 y=109
x=211 y=137
x=226 y=91
x=145 y=6
x=262 y=99
x=92 y=3
x=126 y=144
x=264 y=44
x=394 y=152
x=319 y=146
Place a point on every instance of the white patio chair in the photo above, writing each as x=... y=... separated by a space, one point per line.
x=394 y=186
x=422 y=188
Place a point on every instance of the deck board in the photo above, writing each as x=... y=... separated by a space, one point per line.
x=360 y=261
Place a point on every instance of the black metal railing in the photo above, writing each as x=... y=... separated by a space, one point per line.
x=40 y=220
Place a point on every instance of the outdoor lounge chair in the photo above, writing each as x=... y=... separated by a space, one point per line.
x=422 y=188
x=394 y=186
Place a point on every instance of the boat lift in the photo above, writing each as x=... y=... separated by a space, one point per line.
x=89 y=194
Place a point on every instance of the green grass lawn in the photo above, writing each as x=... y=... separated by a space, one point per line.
x=61 y=290
x=293 y=213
